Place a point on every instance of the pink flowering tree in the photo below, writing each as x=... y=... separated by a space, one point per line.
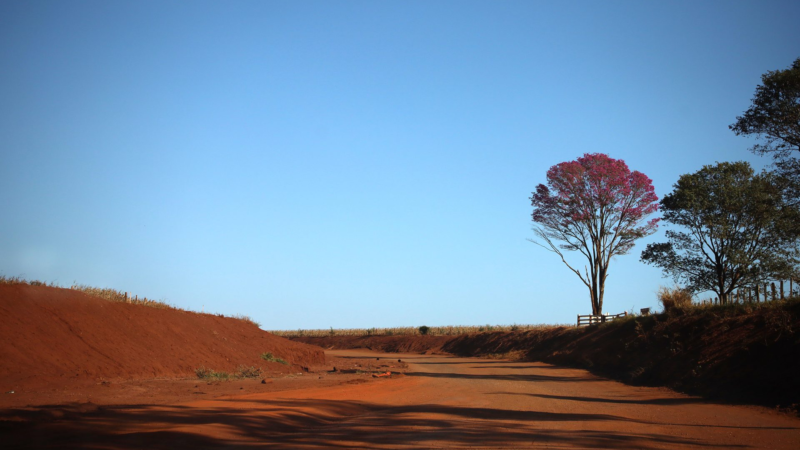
x=596 y=206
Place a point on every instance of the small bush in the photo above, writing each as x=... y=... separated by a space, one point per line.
x=423 y=330
x=267 y=356
x=248 y=372
x=675 y=297
x=209 y=374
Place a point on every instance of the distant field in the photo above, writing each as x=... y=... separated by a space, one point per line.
x=450 y=330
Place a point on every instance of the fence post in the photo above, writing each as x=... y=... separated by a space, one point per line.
x=774 y=292
x=579 y=321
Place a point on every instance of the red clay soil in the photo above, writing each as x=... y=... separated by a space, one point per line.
x=51 y=335
x=440 y=402
x=73 y=344
x=740 y=353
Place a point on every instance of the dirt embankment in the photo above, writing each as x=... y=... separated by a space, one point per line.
x=740 y=353
x=50 y=333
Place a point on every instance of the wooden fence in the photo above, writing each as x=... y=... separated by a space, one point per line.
x=760 y=293
x=592 y=319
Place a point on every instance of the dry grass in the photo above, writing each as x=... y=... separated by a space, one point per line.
x=211 y=375
x=114 y=295
x=247 y=319
x=117 y=296
x=242 y=372
x=17 y=280
x=450 y=330
x=248 y=372
x=674 y=297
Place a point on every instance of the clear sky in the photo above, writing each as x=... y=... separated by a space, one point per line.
x=353 y=164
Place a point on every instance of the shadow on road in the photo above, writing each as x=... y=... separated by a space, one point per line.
x=653 y=401
x=520 y=377
x=303 y=423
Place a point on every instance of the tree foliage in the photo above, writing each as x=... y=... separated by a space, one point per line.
x=596 y=206
x=738 y=230
x=774 y=117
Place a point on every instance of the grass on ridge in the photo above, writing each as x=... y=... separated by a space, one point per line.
x=451 y=330
x=114 y=295
x=246 y=319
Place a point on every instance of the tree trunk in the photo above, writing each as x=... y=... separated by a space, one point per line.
x=593 y=298
x=602 y=289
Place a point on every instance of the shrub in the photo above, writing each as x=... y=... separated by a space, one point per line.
x=423 y=330
x=248 y=372
x=267 y=356
x=675 y=297
x=209 y=374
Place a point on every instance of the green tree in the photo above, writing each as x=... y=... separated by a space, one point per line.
x=739 y=230
x=774 y=118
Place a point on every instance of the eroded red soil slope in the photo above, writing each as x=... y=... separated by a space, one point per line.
x=742 y=353
x=50 y=333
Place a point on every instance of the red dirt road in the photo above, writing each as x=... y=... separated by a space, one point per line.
x=441 y=402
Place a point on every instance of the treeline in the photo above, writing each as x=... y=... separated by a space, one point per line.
x=736 y=231
x=731 y=229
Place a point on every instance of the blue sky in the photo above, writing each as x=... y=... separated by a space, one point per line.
x=353 y=164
